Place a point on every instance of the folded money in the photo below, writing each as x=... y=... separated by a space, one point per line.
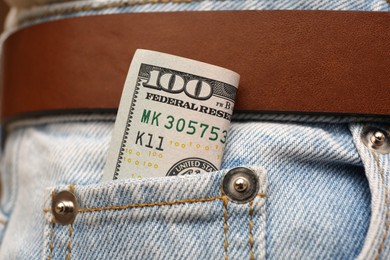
x=173 y=118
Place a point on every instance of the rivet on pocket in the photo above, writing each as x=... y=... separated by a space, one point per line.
x=376 y=139
x=240 y=184
x=64 y=207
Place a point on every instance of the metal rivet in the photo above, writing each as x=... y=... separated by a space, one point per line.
x=376 y=139
x=64 y=207
x=240 y=184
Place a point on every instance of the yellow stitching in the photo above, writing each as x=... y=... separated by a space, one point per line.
x=3 y=222
x=53 y=223
x=225 y=226
x=51 y=245
x=77 y=9
x=251 y=255
x=152 y=204
x=70 y=242
x=71 y=189
x=387 y=205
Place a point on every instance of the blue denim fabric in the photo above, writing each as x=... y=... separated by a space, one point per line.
x=317 y=178
x=326 y=195
x=157 y=219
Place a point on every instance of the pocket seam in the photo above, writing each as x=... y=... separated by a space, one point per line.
x=387 y=224
x=69 y=242
x=53 y=223
x=251 y=255
x=225 y=225
x=152 y=204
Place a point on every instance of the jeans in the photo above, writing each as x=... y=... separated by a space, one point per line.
x=323 y=193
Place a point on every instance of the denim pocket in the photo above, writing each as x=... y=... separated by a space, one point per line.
x=163 y=218
x=376 y=164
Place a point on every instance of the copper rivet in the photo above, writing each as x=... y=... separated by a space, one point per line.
x=64 y=207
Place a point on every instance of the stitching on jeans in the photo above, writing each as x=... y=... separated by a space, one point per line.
x=3 y=222
x=251 y=255
x=152 y=204
x=69 y=242
x=387 y=205
x=71 y=189
x=53 y=222
x=78 y=9
x=225 y=226
x=51 y=244
x=142 y=205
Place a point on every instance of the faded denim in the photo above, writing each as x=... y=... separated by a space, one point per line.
x=323 y=195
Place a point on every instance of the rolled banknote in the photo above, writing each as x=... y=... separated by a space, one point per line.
x=173 y=118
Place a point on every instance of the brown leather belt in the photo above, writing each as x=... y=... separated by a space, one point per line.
x=302 y=61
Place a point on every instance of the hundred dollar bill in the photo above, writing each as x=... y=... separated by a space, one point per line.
x=173 y=118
